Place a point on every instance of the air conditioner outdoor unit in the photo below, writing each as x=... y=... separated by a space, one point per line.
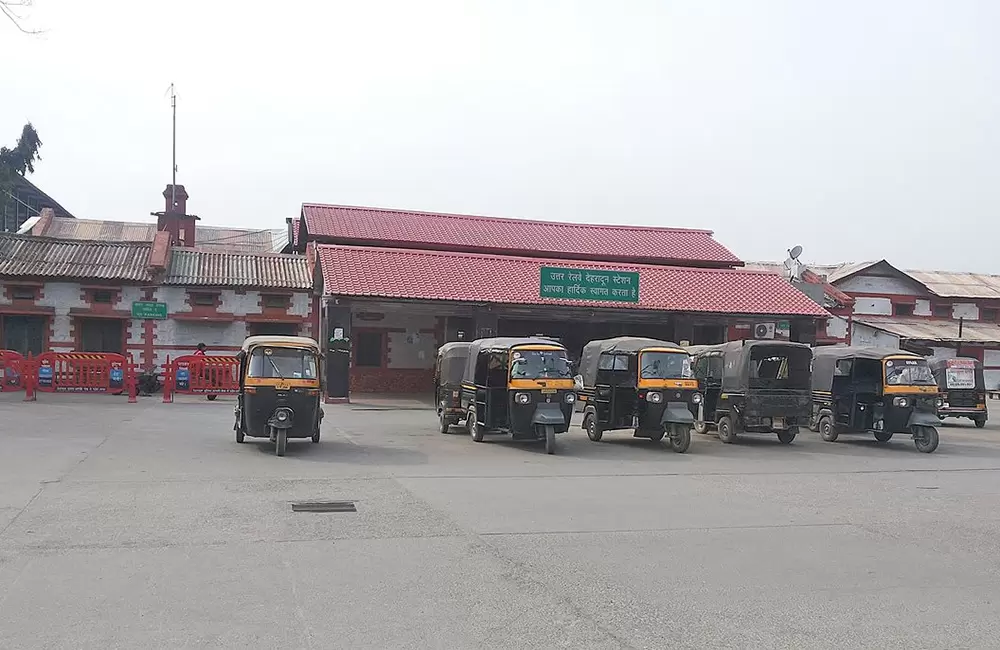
x=763 y=331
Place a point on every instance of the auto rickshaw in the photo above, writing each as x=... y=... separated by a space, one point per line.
x=963 y=389
x=448 y=370
x=754 y=386
x=280 y=390
x=641 y=384
x=518 y=386
x=875 y=390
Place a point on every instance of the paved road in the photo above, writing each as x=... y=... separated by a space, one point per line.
x=147 y=526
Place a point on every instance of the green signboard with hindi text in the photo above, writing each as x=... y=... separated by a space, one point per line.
x=589 y=284
x=149 y=310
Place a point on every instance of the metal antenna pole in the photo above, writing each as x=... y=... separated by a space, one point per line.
x=173 y=184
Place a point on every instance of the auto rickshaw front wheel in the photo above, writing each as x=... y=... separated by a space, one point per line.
x=445 y=422
x=550 y=439
x=786 y=436
x=826 y=429
x=726 y=433
x=883 y=436
x=593 y=427
x=980 y=422
x=925 y=439
x=700 y=426
x=680 y=438
x=280 y=440
x=474 y=429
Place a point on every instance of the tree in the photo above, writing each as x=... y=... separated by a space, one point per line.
x=12 y=8
x=20 y=160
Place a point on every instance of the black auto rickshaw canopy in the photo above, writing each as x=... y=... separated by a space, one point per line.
x=825 y=361
x=630 y=346
x=451 y=360
x=952 y=374
x=499 y=345
x=760 y=363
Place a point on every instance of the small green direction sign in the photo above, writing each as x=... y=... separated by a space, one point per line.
x=141 y=309
x=589 y=284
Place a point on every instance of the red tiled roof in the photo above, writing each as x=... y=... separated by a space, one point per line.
x=454 y=232
x=473 y=277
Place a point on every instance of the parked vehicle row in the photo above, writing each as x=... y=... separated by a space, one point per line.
x=660 y=391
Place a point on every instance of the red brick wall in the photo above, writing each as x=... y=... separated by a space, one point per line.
x=388 y=380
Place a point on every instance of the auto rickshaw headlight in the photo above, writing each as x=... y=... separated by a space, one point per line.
x=522 y=398
x=940 y=403
x=901 y=402
x=654 y=397
x=696 y=398
x=570 y=398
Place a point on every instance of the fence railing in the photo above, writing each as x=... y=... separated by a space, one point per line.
x=195 y=374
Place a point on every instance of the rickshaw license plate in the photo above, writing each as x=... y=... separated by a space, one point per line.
x=548 y=391
x=778 y=423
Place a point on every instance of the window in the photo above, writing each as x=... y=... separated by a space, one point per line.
x=23 y=293
x=271 y=301
x=286 y=363
x=942 y=311
x=612 y=362
x=988 y=314
x=903 y=309
x=102 y=296
x=368 y=353
x=203 y=299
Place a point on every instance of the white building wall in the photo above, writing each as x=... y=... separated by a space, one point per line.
x=410 y=348
x=868 y=284
x=62 y=296
x=873 y=306
x=966 y=310
x=869 y=336
x=836 y=327
x=922 y=308
x=943 y=353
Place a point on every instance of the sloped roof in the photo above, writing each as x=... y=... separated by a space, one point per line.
x=43 y=257
x=958 y=285
x=809 y=275
x=927 y=329
x=240 y=240
x=474 y=277
x=455 y=232
x=209 y=268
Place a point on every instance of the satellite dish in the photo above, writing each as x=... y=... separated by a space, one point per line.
x=792 y=265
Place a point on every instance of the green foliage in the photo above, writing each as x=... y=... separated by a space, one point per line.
x=19 y=160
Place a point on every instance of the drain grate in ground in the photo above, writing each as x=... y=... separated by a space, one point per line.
x=324 y=506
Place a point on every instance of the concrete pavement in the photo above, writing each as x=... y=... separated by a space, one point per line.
x=147 y=526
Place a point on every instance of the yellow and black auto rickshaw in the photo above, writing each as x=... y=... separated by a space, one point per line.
x=963 y=389
x=641 y=384
x=280 y=390
x=874 y=391
x=448 y=370
x=518 y=386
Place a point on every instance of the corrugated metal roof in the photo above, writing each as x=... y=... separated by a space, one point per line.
x=237 y=240
x=959 y=285
x=476 y=277
x=206 y=268
x=26 y=256
x=926 y=329
x=354 y=225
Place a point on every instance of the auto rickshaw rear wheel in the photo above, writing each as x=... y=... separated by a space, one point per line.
x=680 y=438
x=593 y=427
x=239 y=436
x=980 y=422
x=474 y=429
x=786 y=436
x=280 y=440
x=550 y=439
x=827 y=431
x=315 y=436
x=726 y=433
x=883 y=436
x=211 y=398
x=925 y=439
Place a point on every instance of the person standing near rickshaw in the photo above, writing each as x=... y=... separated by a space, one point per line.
x=208 y=376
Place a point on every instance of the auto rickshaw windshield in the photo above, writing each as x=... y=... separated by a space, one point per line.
x=908 y=372
x=540 y=364
x=282 y=363
x=664 y=365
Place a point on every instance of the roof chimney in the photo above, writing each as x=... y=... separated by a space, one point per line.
x=175 y=219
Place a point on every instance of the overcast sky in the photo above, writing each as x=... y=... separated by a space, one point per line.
x=857 y=129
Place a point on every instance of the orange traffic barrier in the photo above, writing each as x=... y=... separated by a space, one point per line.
x=195 y=374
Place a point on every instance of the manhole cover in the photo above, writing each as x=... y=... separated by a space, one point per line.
x=324 y=506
